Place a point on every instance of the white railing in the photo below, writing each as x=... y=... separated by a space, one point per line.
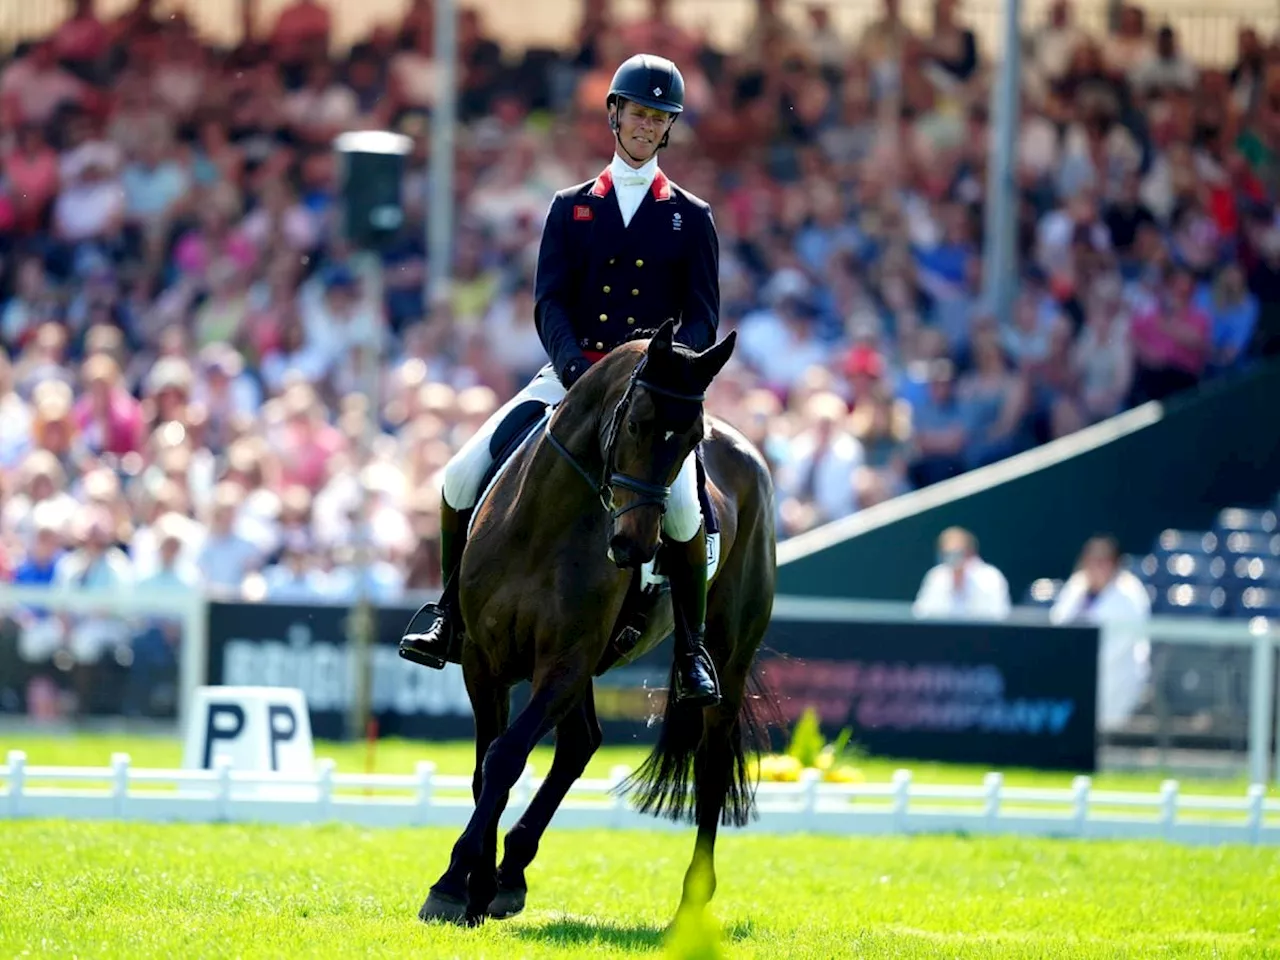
x=424 y=798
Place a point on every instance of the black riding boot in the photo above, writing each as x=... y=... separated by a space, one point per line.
x=685 y=565
x=442 y=641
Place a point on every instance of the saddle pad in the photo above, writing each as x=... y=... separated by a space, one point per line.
x=512 y=434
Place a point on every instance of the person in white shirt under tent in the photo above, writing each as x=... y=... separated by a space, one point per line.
x=962 y=586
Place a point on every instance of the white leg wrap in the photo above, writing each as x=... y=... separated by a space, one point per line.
x=683 y=517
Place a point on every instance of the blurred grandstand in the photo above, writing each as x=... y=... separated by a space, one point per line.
x=184 y=331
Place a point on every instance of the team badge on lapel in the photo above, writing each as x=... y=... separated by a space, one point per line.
x=675 y=221
x=582 y=211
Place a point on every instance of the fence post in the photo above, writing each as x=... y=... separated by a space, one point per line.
x=17 y=781
x=119 y=784
x=426 y=771
x=1080 y=788
x=1257 y=802
x=901 y=799
x=1168 y=806
x=325 y=791
x=1271 y=701
x=811 y=779
x=618 y=775
x=223 y=807
x=993 y=782
x=1261 y=697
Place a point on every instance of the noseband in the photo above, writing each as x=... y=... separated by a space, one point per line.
x=648 y=494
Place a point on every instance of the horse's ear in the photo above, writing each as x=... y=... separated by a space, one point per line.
x=661 y=342
x=712 y=360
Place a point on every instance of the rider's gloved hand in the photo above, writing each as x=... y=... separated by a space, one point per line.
x=573 y=370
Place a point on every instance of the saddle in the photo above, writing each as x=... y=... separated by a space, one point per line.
x=648 y=583
x=516 y=427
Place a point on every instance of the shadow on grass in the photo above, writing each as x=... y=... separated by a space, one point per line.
x=572 y=932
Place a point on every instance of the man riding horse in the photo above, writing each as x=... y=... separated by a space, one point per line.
x=620 y=254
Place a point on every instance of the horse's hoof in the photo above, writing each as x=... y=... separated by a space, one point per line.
x=441 y=906
x=507 y=903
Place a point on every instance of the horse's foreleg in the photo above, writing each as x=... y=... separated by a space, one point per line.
x=553 y=696
x=578 y=736
x=491 y=705
x=483 y=880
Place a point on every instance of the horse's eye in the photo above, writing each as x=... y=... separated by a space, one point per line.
x=632 y=428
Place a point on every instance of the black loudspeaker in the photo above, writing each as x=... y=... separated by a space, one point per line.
x=371 y=168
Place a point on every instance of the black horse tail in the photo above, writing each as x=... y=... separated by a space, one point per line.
x=662 y=786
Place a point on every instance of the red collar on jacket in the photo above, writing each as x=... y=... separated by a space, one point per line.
x=660 y=188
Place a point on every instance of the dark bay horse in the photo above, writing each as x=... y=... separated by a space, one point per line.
x=541 y=598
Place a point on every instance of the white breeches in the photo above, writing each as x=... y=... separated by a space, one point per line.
x=463 y=473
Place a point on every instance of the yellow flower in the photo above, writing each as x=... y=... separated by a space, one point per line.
x=788 y=769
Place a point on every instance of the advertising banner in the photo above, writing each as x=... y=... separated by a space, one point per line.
x=1006 y=695
x=999 y=694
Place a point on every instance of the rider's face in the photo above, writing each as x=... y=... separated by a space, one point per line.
x=641 y=129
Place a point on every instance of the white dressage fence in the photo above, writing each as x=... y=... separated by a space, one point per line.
x=123 y=792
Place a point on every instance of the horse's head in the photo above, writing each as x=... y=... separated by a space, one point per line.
x=654 y=428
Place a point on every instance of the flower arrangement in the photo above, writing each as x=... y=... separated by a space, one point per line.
x=809 y=750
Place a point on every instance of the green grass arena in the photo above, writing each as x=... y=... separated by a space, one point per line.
x=131 y=890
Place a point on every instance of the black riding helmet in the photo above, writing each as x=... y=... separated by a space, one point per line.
x=650 y=81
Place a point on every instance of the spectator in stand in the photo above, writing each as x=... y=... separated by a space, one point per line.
x=38 y=85
x=15 y=422
x=46 y=546
x=1129 y=46
x=31 y=172
x=95 y=564
x=882 y=425
x=107 y=417
x=90 y=209
x=80 y=44
x=1172 y=340
x=154 y=184
x=781 y=343
x=658 y=34
x=962 y=586
x=1166 y=70
x=226 y=558
x=816 y=484
x=1233 y=313
x=997 y=401
x=301 y=28
x=1103 y=359
x=298 y=577
x=942 y=429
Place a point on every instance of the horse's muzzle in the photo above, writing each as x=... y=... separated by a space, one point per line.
x=624 y=552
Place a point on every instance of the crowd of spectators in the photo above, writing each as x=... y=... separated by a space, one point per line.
x=187 y=338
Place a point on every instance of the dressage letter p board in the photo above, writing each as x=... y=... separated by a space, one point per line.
x=258 y=729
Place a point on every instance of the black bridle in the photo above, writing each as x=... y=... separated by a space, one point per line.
x=648 y=494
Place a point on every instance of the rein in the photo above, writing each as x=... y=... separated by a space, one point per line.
x=650 y=494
